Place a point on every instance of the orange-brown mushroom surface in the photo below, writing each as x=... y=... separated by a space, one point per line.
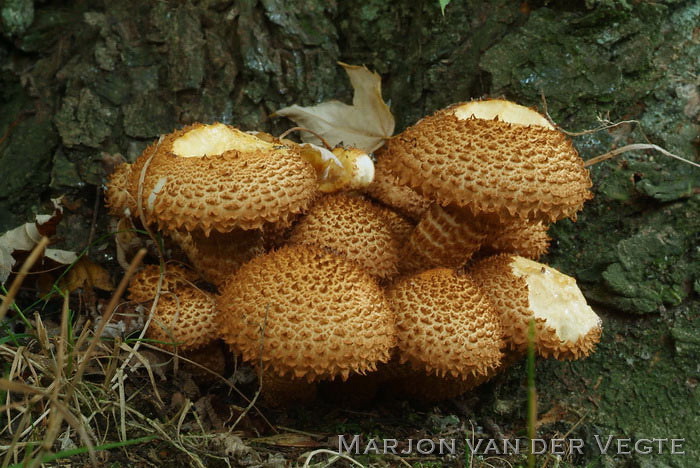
x=354 y=228
x=184 y=314
x=216 y=177
x=445 y=325
x=306 y=313
x=487 y=165
x=217 y=256
x=387 y=189
x=492 y=157
x=522 y=290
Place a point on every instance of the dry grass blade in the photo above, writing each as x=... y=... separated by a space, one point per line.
x=335 y=457
x=107 y=315
x=19 y=279
x=56 y=416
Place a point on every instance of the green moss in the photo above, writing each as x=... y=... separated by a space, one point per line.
x=16 y=16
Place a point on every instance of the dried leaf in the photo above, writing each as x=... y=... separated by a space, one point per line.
x=365 y=124
x=288 y=439
x=26 y=236
x=87 y=274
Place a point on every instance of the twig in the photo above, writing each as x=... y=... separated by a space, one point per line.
x=93 y=223
x=635 y=147
x=303 y=129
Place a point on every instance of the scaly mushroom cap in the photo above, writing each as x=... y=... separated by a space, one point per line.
x=216 y=177
x=521 y=289
x=322 y=316
x=492 y=157
x=386 y=188
x=143 y=285
x=445 y=324
x=400 y=227
x=354 y=228
x=445 y=237
x=118 y=199
x=184 y=315
x=529 y=240
x=217 y=256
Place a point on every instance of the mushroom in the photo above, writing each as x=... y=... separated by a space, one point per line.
x=486 y=164
x=522 y=289
x=184 y=315
x=144 y=284
x=119 y=201
x=386 y=188
x=354 y=228
x=445 y=325
x=529 y=240
x=302 y=312
x=216 y=177
x=217 y=256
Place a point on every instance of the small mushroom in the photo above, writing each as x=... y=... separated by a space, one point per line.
x=119 y=201
x=487 y=164
x=445 y=325
x=386 y=188
x=354 y=228
x=529 y=240
x=522 y=289
x=184 y=315
x=216 y=177
x=305 y=313
x=217 y=256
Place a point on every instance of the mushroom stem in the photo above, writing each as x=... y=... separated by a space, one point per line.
x=445 y=237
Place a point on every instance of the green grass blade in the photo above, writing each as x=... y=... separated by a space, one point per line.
x=82 y=450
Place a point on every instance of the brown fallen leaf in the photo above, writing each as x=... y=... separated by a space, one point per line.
x=26 y=236
x=365 y=124
x=288 y=440
x=86 y=274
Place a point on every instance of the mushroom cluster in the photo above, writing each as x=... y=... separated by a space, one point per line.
x=417 y=274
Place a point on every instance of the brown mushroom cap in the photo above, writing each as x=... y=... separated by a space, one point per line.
x=217 y=256
x=400 y=227
x=445 y=324
x=445 y=237
x=386 y=188
x=118 y=199
x=322 y=316
x=520 y=169
x=216 y=177
x=529 y=240
x=184 y=315
x=522 y=289
x=354 y=228
x=143 y=285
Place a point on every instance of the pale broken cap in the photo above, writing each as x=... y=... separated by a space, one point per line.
x=500 y=109
x=522 y=289
x=217 y=139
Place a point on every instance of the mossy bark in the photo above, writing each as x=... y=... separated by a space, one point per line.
x=81 y=80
